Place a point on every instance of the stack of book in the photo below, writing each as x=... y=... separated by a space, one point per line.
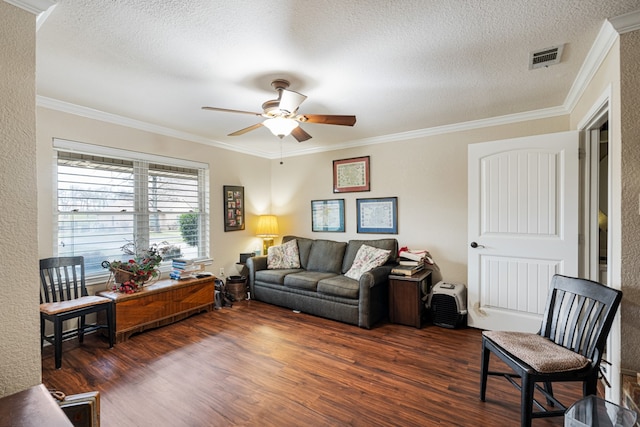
x=407 y=270
x=183 y=268
x=411 y=262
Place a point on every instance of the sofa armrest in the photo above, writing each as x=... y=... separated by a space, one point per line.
x=255 y=263
x=373 y=296
x=376 y=277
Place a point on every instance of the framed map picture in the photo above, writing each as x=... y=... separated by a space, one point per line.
x=233 y=207
x=327 y=215
x=378 y=215
x=351 y=175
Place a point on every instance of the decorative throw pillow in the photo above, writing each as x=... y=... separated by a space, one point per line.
x=367 y=259
x=284 y=256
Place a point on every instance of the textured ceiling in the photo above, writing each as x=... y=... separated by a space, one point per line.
x=399 y=66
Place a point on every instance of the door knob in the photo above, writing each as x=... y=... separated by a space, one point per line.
x=474 y=245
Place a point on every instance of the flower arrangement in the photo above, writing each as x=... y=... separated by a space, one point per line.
x=131 y=275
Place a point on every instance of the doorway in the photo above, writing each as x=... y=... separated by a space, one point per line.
x=596 y=262
x=595 y=179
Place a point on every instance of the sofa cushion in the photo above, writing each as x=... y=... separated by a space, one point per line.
x=326 y=255
x=306 y=279
x=283 y=256
x=274 y=276
x=367 y=259
x=339 y=286
x=304 y=247
x=354 y=245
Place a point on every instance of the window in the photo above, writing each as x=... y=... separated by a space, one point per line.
x=110 y=202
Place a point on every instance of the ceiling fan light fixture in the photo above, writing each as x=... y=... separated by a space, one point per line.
x=280 y=126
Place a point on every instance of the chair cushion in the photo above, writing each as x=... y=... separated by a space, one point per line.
x=283 y=256
x=539 y=352
x=52 y=308
x=367 y=259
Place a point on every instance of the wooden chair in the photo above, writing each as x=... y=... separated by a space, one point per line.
x=568 y=347
x=63 y=296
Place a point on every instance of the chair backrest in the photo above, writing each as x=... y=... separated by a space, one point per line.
x=579 y=314
x=62 y=279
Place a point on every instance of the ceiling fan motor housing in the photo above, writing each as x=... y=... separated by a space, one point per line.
x=285 y=110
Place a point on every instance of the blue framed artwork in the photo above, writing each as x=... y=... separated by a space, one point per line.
x=379 y=215
x=327 y=215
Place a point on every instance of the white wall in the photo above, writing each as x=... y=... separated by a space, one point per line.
x=225 y=168
x=19 y=324
x=428 y=175
x=618 y=75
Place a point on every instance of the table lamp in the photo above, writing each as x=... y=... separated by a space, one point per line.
x=267 y=229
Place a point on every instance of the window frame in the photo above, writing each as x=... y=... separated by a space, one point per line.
x=141 y=210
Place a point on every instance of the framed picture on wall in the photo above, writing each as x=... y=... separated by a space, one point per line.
x=351 y=175
x=327 y=215
x=379 y=216
x=233 y=207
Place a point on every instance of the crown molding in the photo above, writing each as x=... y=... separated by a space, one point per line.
x=605 y=39
x=609 y=33
x=34 y=6
x=43 y=17
x=90 y=113
x=598 y=52
x=627 y=22
x=437 y=130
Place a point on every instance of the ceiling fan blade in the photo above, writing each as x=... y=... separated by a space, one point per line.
x=290 y=100
x=327 y=119
x=300 y=134
x=226 y=110
x=245 y=130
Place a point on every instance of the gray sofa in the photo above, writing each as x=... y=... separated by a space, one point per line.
x=320 y=288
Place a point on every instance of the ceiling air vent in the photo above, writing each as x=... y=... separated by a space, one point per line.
x=545 y=57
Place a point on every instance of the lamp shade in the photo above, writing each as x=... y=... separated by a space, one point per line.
x=280 y=126
x=267 y=226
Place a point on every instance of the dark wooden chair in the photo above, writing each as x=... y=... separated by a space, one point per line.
x=568 y=347
x=63 y=296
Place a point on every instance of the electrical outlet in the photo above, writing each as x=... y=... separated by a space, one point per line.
x=221 y=271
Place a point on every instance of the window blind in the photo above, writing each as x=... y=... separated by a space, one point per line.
x=108 y=207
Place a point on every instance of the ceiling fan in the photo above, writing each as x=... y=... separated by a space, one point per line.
x=282 y=116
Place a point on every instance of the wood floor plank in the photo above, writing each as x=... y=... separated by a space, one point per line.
x=260 y=365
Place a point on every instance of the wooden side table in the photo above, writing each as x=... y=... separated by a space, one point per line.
x=405 y=298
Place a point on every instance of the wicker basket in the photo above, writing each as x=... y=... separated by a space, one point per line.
x=237 y=287
x=121 y=276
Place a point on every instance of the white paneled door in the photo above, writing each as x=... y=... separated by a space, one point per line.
x=523 y=227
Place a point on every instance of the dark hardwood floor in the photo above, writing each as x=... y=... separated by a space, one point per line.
x=260 y=365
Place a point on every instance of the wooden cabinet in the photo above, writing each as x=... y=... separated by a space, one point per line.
x=405 y=298
x=160 y=303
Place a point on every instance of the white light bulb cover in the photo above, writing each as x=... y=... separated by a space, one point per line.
x=280 y=126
